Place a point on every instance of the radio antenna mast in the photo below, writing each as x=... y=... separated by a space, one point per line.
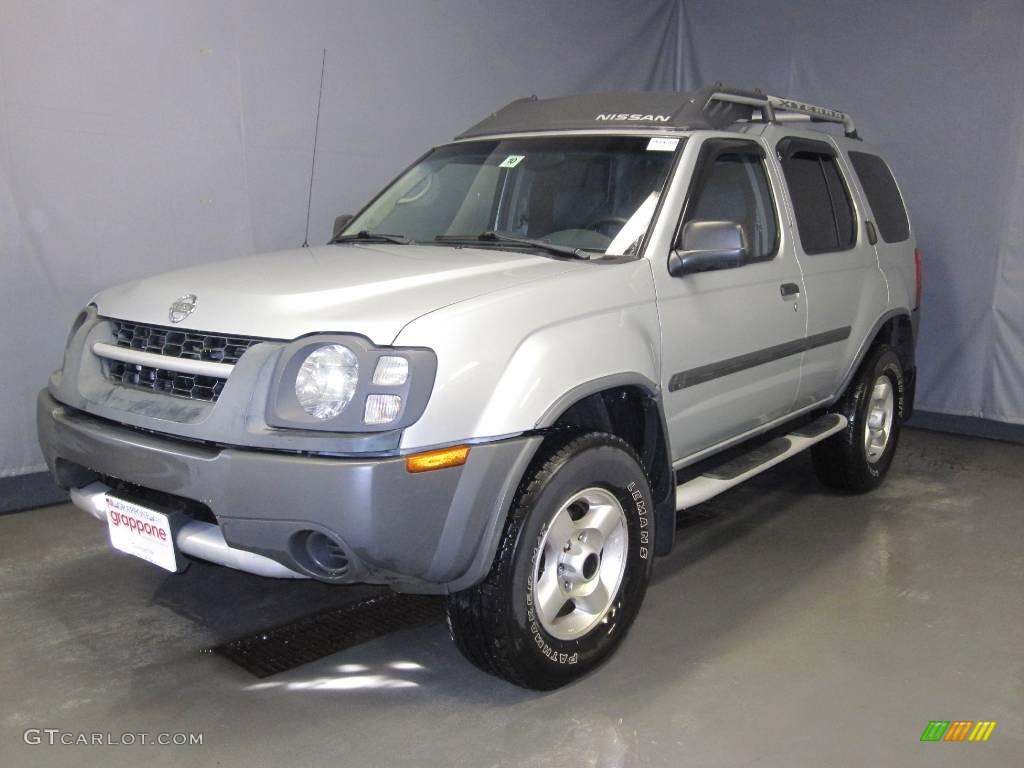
x=316 y=133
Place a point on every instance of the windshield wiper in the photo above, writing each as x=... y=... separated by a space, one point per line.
x=370 y=237
x=529 y=242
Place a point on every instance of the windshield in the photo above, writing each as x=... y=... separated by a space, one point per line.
x=593 y=193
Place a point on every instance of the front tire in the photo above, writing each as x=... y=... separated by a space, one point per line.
x=858 y=458
x=571 y=570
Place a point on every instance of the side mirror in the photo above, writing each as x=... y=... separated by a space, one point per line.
x=340 y=222
x=707 y=245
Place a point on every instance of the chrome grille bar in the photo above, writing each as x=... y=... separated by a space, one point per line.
x=165 y=362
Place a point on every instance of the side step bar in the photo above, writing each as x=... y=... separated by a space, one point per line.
x=765 y=456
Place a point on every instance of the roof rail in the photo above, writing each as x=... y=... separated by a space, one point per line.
x=771 y=105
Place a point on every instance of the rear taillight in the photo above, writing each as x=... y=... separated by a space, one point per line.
x=918 y=277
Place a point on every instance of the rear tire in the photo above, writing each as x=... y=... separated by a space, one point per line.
x=571 y=570
x=858 y=458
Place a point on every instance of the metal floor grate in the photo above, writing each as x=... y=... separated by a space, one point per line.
x=321 y=634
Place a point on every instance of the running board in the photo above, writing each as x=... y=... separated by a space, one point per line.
x=765 y=456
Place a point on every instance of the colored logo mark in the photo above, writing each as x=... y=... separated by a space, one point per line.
x=958 y=730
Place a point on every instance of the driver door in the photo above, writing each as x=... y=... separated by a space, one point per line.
x=732 y=338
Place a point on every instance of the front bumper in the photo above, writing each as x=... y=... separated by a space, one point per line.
x=429 y=532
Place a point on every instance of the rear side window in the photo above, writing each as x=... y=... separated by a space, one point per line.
x=883 y=196
x=821 y=202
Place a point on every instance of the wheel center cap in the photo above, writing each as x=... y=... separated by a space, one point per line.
x=876 y=419
x=579 y=564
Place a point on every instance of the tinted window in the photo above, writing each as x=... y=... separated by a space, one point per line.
x=846 y=231
x=883 y=196
x=590 y=192
x=735 y=188
x=824 y=214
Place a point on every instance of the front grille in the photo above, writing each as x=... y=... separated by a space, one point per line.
x=173 y=342
x=169 y=382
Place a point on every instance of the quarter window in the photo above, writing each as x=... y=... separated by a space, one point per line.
x=733 y=186
x=821 y=202
x=883 y=196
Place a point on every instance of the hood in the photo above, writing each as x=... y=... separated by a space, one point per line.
x=369 y=289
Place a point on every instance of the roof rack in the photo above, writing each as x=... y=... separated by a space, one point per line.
x=795 y=111
x=711 y=107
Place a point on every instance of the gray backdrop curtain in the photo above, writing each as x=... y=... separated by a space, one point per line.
x=137 y=137
x=939 y=85
x=140 y=136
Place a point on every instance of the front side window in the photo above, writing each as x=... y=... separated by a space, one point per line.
x=594 y=193
x=821 y=203
x=733 y=186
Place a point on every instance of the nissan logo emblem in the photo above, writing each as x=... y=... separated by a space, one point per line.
x=182 y=308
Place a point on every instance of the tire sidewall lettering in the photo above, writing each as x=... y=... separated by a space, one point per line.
x=641 y=512
x=559 y=657
x=633 y=494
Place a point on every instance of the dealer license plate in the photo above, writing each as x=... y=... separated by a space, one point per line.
x=142 y=532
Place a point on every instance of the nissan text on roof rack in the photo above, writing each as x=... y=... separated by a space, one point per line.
x=502 y=378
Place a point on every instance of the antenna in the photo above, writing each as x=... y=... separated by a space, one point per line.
x=316 y=133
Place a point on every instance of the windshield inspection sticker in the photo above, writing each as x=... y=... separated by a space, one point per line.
x=512 y=161
x=662 y=145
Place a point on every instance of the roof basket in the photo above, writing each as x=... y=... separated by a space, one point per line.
x=770 y=108
x=711 y=107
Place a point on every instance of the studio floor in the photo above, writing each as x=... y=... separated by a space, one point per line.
x=789 y=627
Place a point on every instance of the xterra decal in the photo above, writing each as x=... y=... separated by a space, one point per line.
x=810 y=109
x=637 y=117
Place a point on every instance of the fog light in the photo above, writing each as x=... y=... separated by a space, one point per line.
x=323 y=555
x=439 y=459
x=391 y=371
x=381 y=409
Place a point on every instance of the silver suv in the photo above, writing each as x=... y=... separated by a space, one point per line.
x=503 y=377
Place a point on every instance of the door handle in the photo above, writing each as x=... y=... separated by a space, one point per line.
x=789 y=289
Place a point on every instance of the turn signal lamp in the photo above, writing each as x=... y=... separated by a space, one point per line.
x=439 y=459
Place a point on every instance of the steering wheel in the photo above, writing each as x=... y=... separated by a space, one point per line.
x=604 y=221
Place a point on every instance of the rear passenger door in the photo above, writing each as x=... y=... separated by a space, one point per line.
x=845 y=290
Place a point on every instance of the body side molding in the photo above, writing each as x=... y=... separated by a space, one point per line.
x=705 y=373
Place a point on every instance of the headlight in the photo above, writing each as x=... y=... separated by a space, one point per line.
x=327 y=380
x=343 y=383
